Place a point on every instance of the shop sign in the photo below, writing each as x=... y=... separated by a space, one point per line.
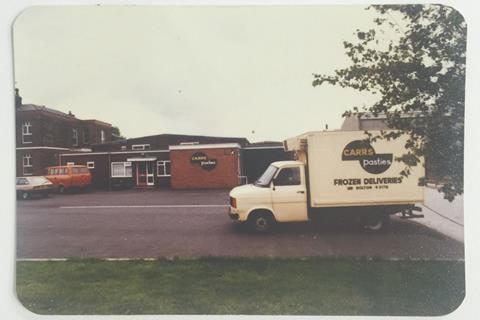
x=201 y=159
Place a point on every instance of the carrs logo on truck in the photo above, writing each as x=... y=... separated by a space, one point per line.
x=370 y=161
x=362 y=152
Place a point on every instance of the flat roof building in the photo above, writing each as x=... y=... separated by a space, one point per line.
x=177 y=161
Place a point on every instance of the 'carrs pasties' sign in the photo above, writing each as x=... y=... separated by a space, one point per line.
x=201 y=159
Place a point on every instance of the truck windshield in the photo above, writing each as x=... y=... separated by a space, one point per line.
x=266 y=177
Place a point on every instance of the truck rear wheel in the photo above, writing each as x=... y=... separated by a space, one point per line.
x=261 y=221
x=377 y=222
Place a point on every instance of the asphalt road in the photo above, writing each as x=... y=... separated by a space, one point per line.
x=165 y=223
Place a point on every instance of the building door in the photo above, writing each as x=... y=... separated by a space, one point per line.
x=149 y=173
x=144 y=172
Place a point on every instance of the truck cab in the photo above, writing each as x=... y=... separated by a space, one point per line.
x=280 y=194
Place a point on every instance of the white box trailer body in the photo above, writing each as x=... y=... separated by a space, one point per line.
x=345 y=170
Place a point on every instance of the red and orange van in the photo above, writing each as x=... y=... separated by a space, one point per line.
x=68 y=177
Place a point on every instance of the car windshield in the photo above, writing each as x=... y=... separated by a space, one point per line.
x=37 y=180
x=266 y=177
x=22 y=181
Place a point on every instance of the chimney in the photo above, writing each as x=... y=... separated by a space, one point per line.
x=18 y=99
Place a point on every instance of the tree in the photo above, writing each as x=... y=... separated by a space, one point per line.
x=420 y=73
x=116 y=135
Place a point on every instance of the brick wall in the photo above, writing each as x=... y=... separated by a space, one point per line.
x=100 y=171
x=40 y=159
x=101 y=175
x=188 y=175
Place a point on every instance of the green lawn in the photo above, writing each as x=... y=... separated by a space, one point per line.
x=317 y=286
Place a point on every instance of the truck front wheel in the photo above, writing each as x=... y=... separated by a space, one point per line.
x=261 y=221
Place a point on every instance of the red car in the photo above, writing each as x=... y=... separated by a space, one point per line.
x=68 y=177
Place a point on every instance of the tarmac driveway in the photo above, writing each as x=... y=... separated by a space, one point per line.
x=166 y=223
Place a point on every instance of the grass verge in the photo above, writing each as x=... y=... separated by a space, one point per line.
x=317 y=286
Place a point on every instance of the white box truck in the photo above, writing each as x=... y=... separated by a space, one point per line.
x=337 y=173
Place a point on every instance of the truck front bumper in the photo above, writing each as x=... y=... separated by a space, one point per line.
x=233 y=215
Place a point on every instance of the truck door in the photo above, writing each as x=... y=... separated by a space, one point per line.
x=289 y=194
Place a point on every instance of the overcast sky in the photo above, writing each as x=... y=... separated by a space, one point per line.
x=224 y=71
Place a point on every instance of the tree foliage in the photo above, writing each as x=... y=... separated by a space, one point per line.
x=419 y=73
x=116 y=135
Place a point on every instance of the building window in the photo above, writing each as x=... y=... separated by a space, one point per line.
x=27 y=164
x=77 y=170
x=26 y=132
x=90 y=164
x=102 y=136
x=70 y=163
x=124 y=148
x=140 y=147
x=75 y=137
x=86 y=136
x=121 y=169
x=163 y=168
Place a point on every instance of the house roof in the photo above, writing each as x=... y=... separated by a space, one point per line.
x=34 y=107
x=264 y=145
x=98 y=122
x=382 y=116
x=166 y=139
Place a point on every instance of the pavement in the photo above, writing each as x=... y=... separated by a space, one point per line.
x=442 y=215
x=167 y=223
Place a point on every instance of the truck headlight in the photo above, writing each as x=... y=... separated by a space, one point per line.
x=233 y=202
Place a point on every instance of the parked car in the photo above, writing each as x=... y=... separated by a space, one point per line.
x=33 y=186
x=69 y=177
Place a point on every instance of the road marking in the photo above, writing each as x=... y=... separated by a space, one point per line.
x=235 y=257
x=150 y=206
x=40 y=259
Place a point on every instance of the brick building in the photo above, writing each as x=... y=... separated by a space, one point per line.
x=154 y=161
x=47 y=137
x=177 y=161
x=209 y=166
x=43 y=133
